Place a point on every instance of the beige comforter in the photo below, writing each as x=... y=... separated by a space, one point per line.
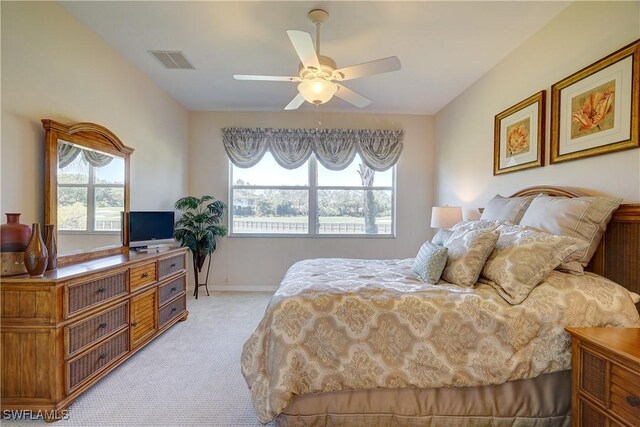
x=337 y=324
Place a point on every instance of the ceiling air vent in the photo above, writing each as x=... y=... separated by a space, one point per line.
x=172 y=59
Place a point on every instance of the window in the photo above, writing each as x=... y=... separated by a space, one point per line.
x=91 y=198
x=311 y=200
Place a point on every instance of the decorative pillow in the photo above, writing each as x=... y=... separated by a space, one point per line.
x=468 y=251
x=441 y=236
x=507 y=208
x=430 y=262
x=582 y=217
x=522 y=257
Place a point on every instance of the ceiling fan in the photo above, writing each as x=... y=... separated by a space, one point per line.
x=318 y=76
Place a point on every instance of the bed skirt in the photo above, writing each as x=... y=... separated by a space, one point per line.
x=542 y=401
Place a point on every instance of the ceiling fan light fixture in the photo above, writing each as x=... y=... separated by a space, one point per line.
x=317 y=90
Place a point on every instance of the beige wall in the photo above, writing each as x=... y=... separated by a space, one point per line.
x=54 y=67
x=245 y=261
x=578 y=36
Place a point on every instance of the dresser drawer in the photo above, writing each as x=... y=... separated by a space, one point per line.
x=625 y=394
x=171 y=289
x=80 y=335
x=169 y=266
x=85 y=295
x=172 y=310
x=142 y=275
x=82 y=368
x=143 y=317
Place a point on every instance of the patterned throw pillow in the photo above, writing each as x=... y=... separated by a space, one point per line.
x=430 y=262
x=478 y=225
x=523 y=257
x=468 y=251
x=441 y=237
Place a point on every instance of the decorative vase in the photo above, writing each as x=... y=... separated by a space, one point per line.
x=14 y=238
x=52 y=247
x=36 y=255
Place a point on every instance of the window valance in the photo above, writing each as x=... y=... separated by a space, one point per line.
x=67 y=153
x=334 y=148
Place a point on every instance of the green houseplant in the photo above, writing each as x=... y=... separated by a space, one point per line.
x=198 y=229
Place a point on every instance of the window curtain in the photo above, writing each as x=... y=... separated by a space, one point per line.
x=334 y=148
x=67 y=153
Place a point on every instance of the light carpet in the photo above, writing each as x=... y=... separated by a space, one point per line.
x=188 y=376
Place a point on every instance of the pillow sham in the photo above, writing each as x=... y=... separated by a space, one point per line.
x=510 y=209
x=468 y=251
x=430 y=262
x=582 y=217
x=478 y=225
x=523 y=257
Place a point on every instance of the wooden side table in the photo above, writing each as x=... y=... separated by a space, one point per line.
x=606 y=376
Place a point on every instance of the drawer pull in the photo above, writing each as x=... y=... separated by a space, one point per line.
x=173 y=309
x=633 y=401
x=102 y=356
x=134 y=324
x=145 y=275
x=173 y=289
x=173 y=265
x=102 y=325
x=102 y=290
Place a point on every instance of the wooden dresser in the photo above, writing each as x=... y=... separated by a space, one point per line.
x=63 y=332
x=606 y=376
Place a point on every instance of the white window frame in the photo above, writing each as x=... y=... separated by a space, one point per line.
x=91 y=204
x=313 y=189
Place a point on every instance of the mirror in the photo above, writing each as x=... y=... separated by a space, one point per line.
x=86 y=190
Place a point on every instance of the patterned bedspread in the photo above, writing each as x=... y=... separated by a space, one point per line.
x=337 y=324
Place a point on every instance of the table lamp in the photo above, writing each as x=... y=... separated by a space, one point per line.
x=445 y=216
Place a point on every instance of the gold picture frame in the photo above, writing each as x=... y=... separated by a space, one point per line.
x=595 y=110
x=518 y=136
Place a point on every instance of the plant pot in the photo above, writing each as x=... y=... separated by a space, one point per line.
x=14 y=238
x=36 y=256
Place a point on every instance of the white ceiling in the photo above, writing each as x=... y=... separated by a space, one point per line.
x=443 y=46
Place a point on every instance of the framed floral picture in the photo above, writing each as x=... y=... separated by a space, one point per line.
x=595 y=111
x=518 y=136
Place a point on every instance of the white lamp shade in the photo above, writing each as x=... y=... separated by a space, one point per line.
x=317 y=90
x=445 y=216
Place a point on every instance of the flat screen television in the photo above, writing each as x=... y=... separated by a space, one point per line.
x=150 y=228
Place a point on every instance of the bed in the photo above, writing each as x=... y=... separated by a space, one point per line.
x=366 y=342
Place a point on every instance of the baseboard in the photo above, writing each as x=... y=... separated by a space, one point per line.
x=242 y=288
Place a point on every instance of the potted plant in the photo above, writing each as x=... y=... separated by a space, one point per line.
x=198 y=229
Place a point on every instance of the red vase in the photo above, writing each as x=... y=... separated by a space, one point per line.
x=36 y=255
x=14 y=238
x=52 y=247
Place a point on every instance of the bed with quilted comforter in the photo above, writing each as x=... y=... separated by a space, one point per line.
x=346 y=324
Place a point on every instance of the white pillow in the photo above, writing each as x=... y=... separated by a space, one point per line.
x=430 y=262
x=507 y=208
x=581 y=217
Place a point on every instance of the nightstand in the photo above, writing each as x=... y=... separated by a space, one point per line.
x=606 y=376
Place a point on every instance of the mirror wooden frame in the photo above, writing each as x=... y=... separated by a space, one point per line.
x=95 y=137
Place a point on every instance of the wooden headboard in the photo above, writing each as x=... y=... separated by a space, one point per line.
x=618 y=255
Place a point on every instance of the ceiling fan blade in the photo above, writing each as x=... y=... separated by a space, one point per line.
x=266 y=78
x=295 y=102
x=352 y=97
x=303 y=45
x=378 y=66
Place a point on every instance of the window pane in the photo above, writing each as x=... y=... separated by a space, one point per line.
x=269 y=172
x=354 y=212
x=76 y=172
x=350 y=176
x=109 y=205
x=111 y=173
x=72 y=208
x=270 y=211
